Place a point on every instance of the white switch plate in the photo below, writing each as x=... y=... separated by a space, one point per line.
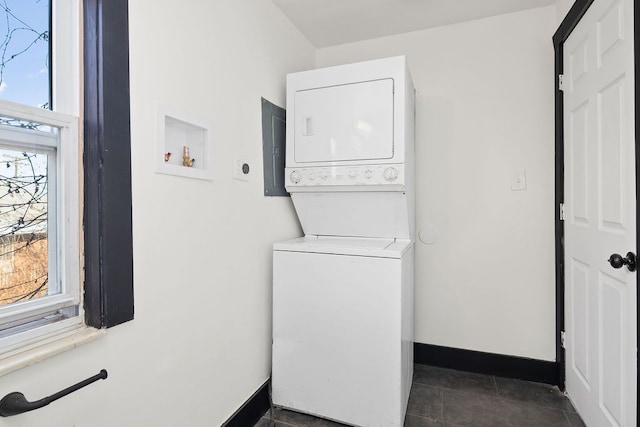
x=238 y=162
x=518 y=180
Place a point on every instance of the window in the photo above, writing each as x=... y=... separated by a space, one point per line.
x=39 y=225
x=43 y=153
x=40 y=228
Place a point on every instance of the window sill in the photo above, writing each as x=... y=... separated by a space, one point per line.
x=49 y=347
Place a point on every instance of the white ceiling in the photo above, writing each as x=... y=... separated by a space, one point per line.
x=332 y=22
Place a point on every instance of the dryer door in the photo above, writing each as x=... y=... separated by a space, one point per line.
x=344 y=123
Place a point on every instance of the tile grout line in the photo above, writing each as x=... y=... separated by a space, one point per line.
x=448 y=424
x=267 y=416
x=442 y=403
x=484 y=392
x=499 y=397
x=571 y=424
x=280 y=422
x=567 y=418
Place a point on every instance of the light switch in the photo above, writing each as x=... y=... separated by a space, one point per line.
x=518 y=180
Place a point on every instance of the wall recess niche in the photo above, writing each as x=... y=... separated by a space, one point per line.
x=183 y=145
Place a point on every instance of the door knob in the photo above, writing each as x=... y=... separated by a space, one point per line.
x=617 y=261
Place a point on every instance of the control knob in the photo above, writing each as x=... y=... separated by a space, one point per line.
x=390 y=174
x=295 y=177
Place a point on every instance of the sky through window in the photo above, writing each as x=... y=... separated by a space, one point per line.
x=24 y=51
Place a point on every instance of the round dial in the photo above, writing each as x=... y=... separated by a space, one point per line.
x=295 y=177
x=390 y=174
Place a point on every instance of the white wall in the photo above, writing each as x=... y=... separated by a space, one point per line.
x=485 y=110
x=200 y=343
x=562 y=7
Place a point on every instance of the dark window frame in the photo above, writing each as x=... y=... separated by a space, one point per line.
x=107 y=224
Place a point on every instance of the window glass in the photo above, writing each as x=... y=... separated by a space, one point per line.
x=24 y=259
x=25 y=79
x=25 y=52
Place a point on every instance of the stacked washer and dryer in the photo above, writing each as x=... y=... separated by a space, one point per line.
x=343 y=293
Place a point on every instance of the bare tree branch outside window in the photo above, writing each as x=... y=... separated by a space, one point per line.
x=24 y=78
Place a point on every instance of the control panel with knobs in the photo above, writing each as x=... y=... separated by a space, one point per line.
x=340 y=176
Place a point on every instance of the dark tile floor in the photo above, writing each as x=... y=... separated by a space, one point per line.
x=444 y=397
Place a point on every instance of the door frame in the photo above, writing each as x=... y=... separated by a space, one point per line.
x=574 y=15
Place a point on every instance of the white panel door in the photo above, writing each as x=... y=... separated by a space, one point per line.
x=600 y=215
x=345 y=122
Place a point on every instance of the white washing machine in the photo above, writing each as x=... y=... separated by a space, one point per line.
x=343 y=328
x=343 y=293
